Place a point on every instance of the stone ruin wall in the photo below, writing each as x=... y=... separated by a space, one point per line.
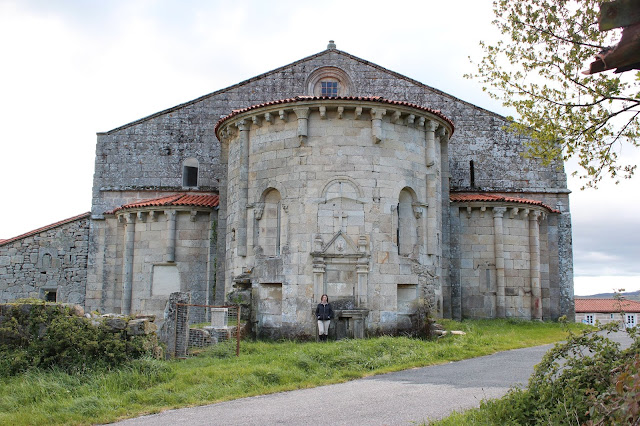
x=52 y=260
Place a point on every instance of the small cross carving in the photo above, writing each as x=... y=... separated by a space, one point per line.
x=341 y=215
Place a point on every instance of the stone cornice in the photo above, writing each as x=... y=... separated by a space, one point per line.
x=399 y=112
x=509 y=210
x=142 y=214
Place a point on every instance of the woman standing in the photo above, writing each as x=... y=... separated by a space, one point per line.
x=324 y=313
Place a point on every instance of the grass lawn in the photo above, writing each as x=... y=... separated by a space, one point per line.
x=149 y=386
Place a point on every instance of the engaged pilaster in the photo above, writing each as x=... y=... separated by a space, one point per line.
x=498 y=213
x=127 y=271
x=243 y=126
x=534 y=244
x=433 y=192
x=171 y=235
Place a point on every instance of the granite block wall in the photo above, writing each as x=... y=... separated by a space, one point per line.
x=53 y=260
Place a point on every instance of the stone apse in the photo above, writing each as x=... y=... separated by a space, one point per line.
x=342 y=196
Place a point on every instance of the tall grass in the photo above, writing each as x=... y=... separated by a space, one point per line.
x=148 y=386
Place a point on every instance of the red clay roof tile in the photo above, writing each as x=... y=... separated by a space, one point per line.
x=606 y=305
x=188 y=200
x=45 y=228
x=338 y=99
x=477 y=197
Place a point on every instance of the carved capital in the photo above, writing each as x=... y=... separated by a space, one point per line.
x=362 y=244
x=323 y=112
x=431 y=125
x=141 y=217
x=340 y=112
x=302 y=112
x=317 y=243
x=283 y=115
x=499 y=211
x=411 y=119
x=377 y=113
x=358 y=112
x=268 y=118
x=303 y=115
x=258 y=210
x=127 y=218
x=535 y=215
x=243 y=125
x=395 y=117
x=417 y=211
x=256 y=121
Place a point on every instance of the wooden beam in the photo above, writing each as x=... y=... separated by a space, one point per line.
x=619 y=13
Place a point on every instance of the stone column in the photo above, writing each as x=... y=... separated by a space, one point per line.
x=171 y=235
x=211 y=258
x=443 y=149
x=362 y=270
x=534 y=262
x=318 y=278
x=433 y=192
x=127 y=267
x=498 y=245
x=318 y=269
x=243 y=185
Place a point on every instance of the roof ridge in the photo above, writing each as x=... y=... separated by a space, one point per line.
x=275 y=70
x=44 y=228
x=225 y=89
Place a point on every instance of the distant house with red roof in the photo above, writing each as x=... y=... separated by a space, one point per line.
x=604 y=311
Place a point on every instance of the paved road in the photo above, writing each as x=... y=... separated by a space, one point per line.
x=402 y=398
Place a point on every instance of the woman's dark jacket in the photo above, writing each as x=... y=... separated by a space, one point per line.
x=324 y=312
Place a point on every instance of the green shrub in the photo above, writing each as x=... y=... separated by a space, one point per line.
x=588 y=380
x=45 y=335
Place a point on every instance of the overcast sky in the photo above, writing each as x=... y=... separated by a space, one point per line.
x=69 y=69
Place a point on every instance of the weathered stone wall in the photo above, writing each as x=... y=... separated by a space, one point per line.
x=143 y=160
x=52 y=260
x=344 y=196
x=148 y=154
x=475 y=274
x=154 y=275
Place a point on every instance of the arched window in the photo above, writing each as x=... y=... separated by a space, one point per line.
x=407 y=224
x=269 y=227
x=329 y=81
x=190 y=173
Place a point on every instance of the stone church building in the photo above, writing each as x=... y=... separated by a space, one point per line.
x=328 y=175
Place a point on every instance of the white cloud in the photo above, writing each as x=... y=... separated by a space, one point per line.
x=585 y=286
